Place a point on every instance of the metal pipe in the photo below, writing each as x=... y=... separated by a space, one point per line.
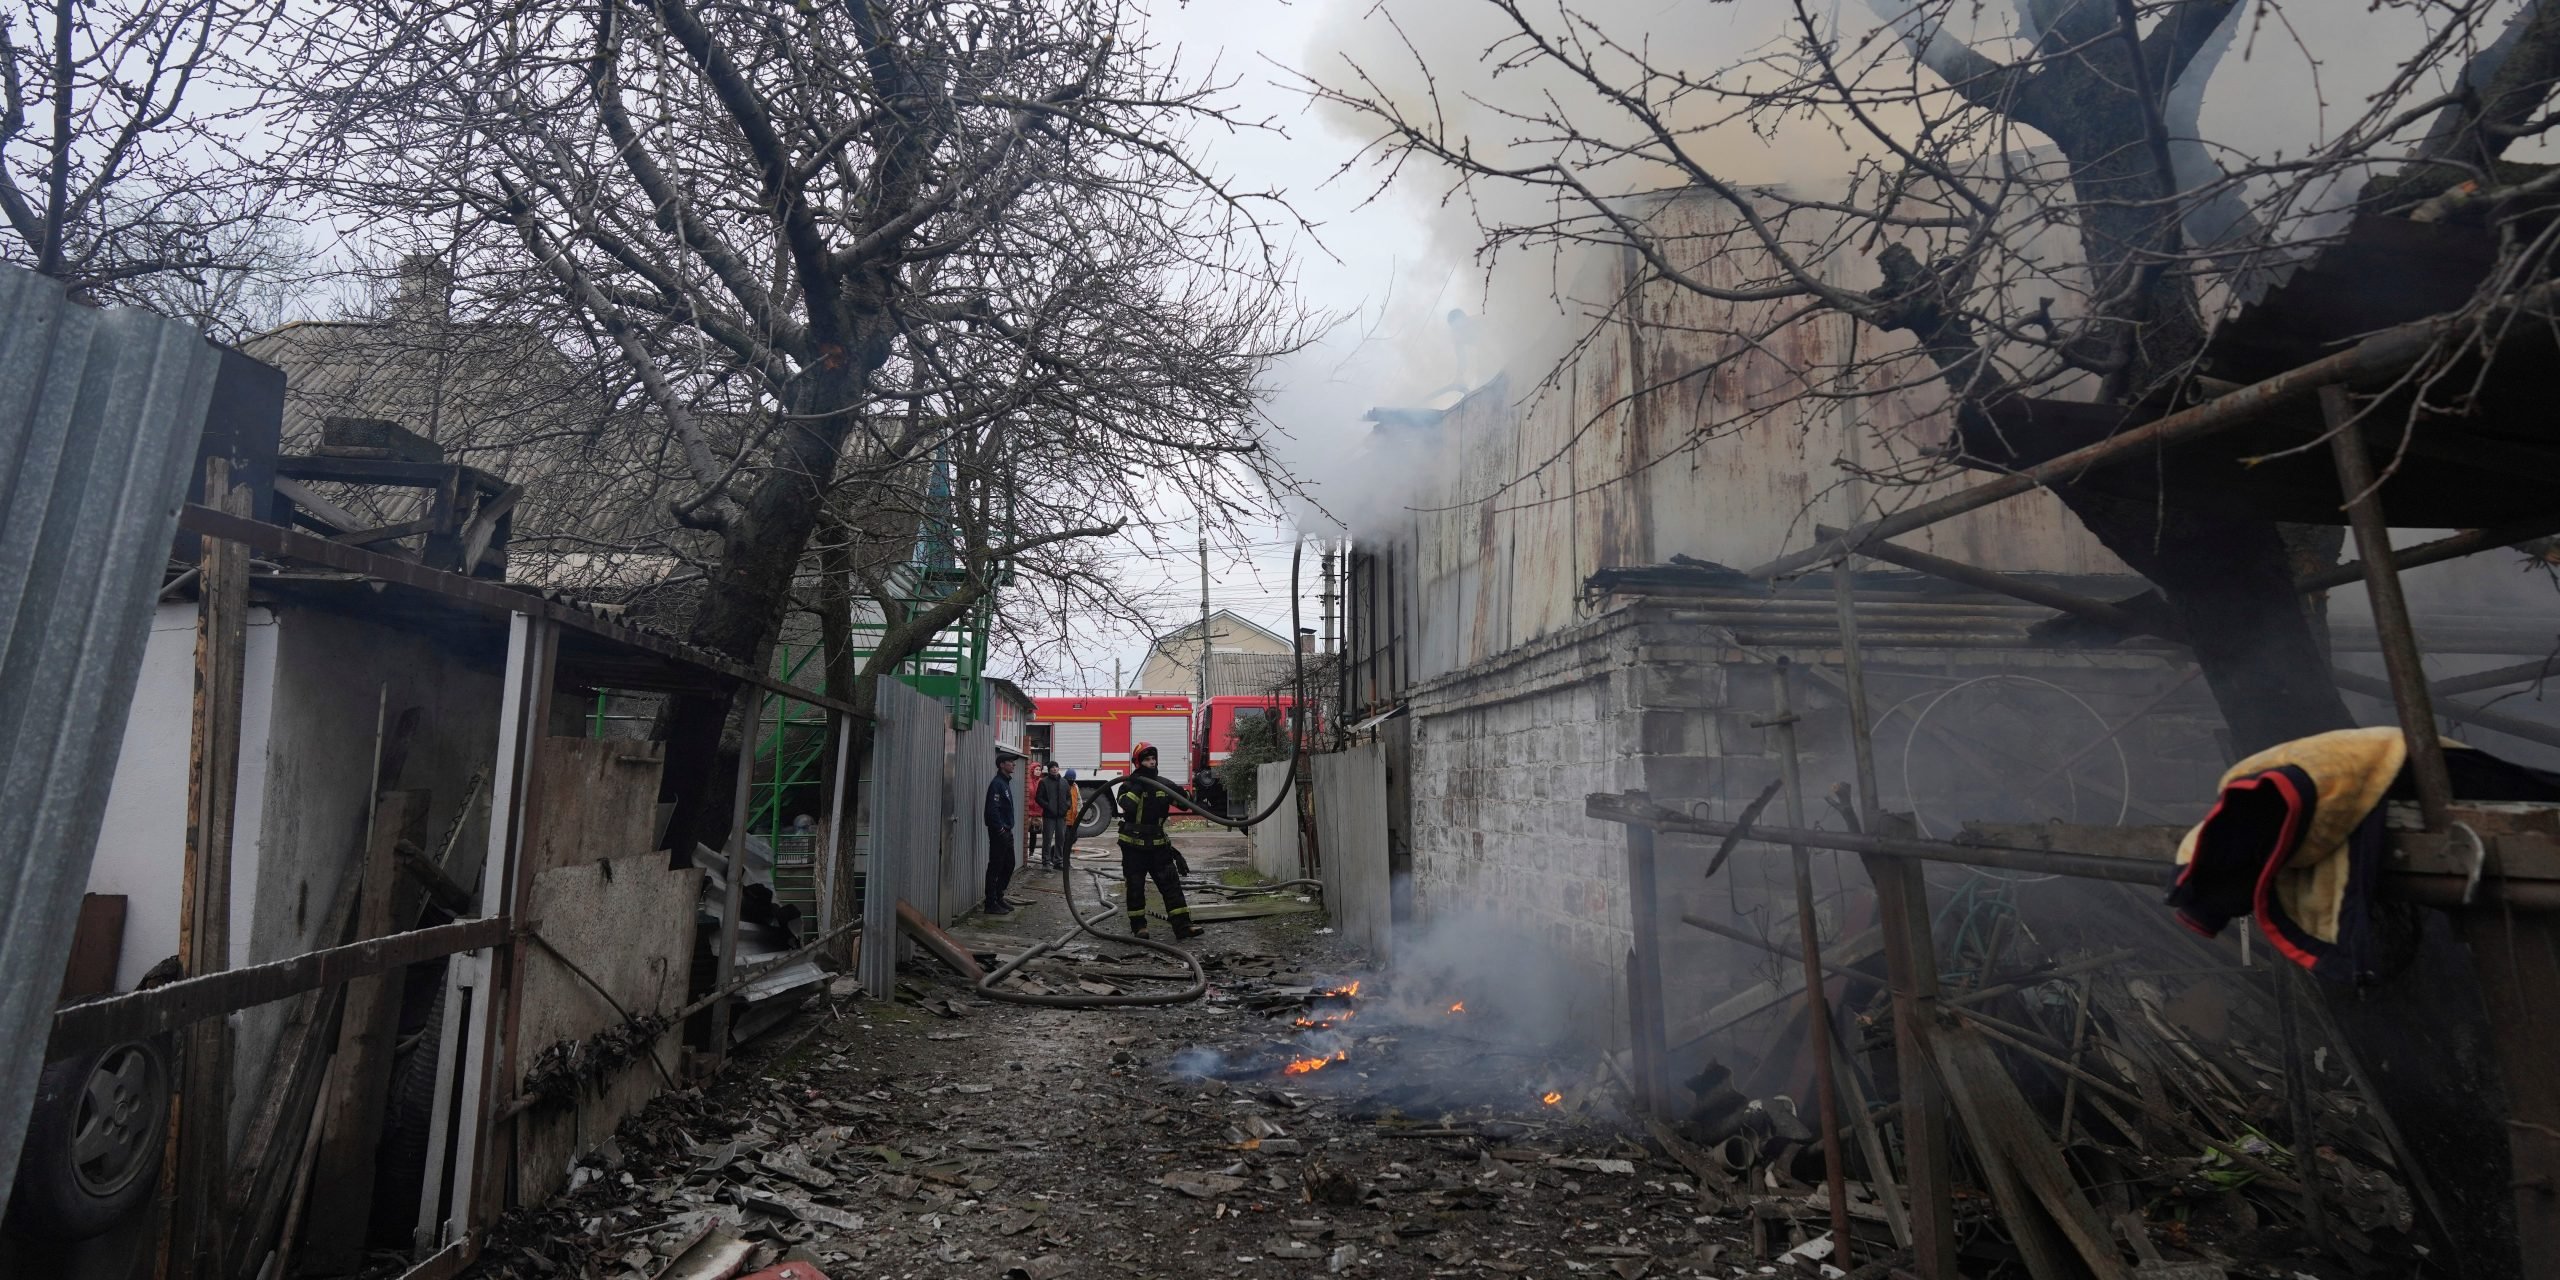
x=2098 y=611
x=2356 y=481
x=2429 y=888
x=2457 y=712
x=2380 y=356
x=2448 y=548
x=1817 y=1001
x=2495 y=678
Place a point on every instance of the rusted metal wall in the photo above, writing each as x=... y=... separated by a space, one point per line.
x=99 y=416
x=1629 y=455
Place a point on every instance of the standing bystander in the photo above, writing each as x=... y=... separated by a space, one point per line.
x=999 y=836
x=1053 y=799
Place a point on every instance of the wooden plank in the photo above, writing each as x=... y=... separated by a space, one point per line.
x=600 y=801
x=627 y=924
x=2517 y=958
x=482 y=528
x=1911 y=971
x=360 y=1074
x=204 y=1108
x=601 y=895
x=734 y=884
x=2057 y=1230
x=318 y=509
x=1256 y=909
x=262 y=1174
x=1645 y=1020
x=386 y=533
x=101 y=1023
x=95 y=943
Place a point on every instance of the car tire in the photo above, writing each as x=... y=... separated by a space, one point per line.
x=94 y=1141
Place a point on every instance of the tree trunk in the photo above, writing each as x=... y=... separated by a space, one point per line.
x=2227 y=575
x=744 y=600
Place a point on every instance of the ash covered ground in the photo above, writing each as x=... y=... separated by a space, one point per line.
x=895 y=1139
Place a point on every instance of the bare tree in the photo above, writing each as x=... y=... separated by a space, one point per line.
x=2026 y=200
x=937 y=273
x=120 y=173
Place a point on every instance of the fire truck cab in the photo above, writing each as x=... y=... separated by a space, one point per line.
x=1217 y=729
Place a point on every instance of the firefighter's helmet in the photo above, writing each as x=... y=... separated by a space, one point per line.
x=1142 y=749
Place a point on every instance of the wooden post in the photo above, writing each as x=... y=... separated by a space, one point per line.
x=735 y=889
x=1911 y=970
x=1645 y=1032
x=2390 y=608
x=1817 y=1003
x=840 y=819
x=197 y=1226
x=360 y=1077
x=514 y=876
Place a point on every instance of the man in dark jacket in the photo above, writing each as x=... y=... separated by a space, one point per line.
x=999 y=836
x=1147 y=851
x=1052 y=797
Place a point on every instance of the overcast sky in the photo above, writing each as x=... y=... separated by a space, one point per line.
x=1353 y=271
x=1395 y=266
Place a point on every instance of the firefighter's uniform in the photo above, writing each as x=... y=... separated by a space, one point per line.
x=1146 y=850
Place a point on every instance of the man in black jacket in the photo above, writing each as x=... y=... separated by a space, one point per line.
x=1147 y=851
x=1052 y=796
x=999 y=836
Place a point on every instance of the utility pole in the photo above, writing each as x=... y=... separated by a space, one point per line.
x=1204 y=614
x=1324 y=602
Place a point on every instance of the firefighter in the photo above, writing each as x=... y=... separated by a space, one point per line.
x=1145 y=849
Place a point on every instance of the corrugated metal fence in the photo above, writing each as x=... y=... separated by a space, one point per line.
x=99 y=416
x=1273 y=846
x=908 y=801
x=1351 y=830
x=964 y=873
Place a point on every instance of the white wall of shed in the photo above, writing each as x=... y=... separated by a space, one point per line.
x=142 y=840
x=307 y=794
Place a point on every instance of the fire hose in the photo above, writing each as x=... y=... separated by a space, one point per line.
x=1199 y=984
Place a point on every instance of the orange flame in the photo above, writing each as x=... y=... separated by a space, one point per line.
x=1459 y=1007
x=1348 y=989
x=1304 y=1065
x=1552 y=1098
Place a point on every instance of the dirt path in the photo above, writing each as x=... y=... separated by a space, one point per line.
x=893 y=1141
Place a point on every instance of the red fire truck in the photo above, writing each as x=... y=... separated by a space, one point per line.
x=1217 y=738
x=1092 y=736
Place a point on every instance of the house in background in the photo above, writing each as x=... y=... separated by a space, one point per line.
x=1245 y=657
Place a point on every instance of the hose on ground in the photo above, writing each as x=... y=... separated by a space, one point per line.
x=1198 y=987
x=1199 y=984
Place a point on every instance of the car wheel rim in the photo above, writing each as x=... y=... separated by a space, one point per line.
x=118 y=1121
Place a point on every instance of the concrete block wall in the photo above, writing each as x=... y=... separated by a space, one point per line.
x=1506 y=751
x=1503 y=756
